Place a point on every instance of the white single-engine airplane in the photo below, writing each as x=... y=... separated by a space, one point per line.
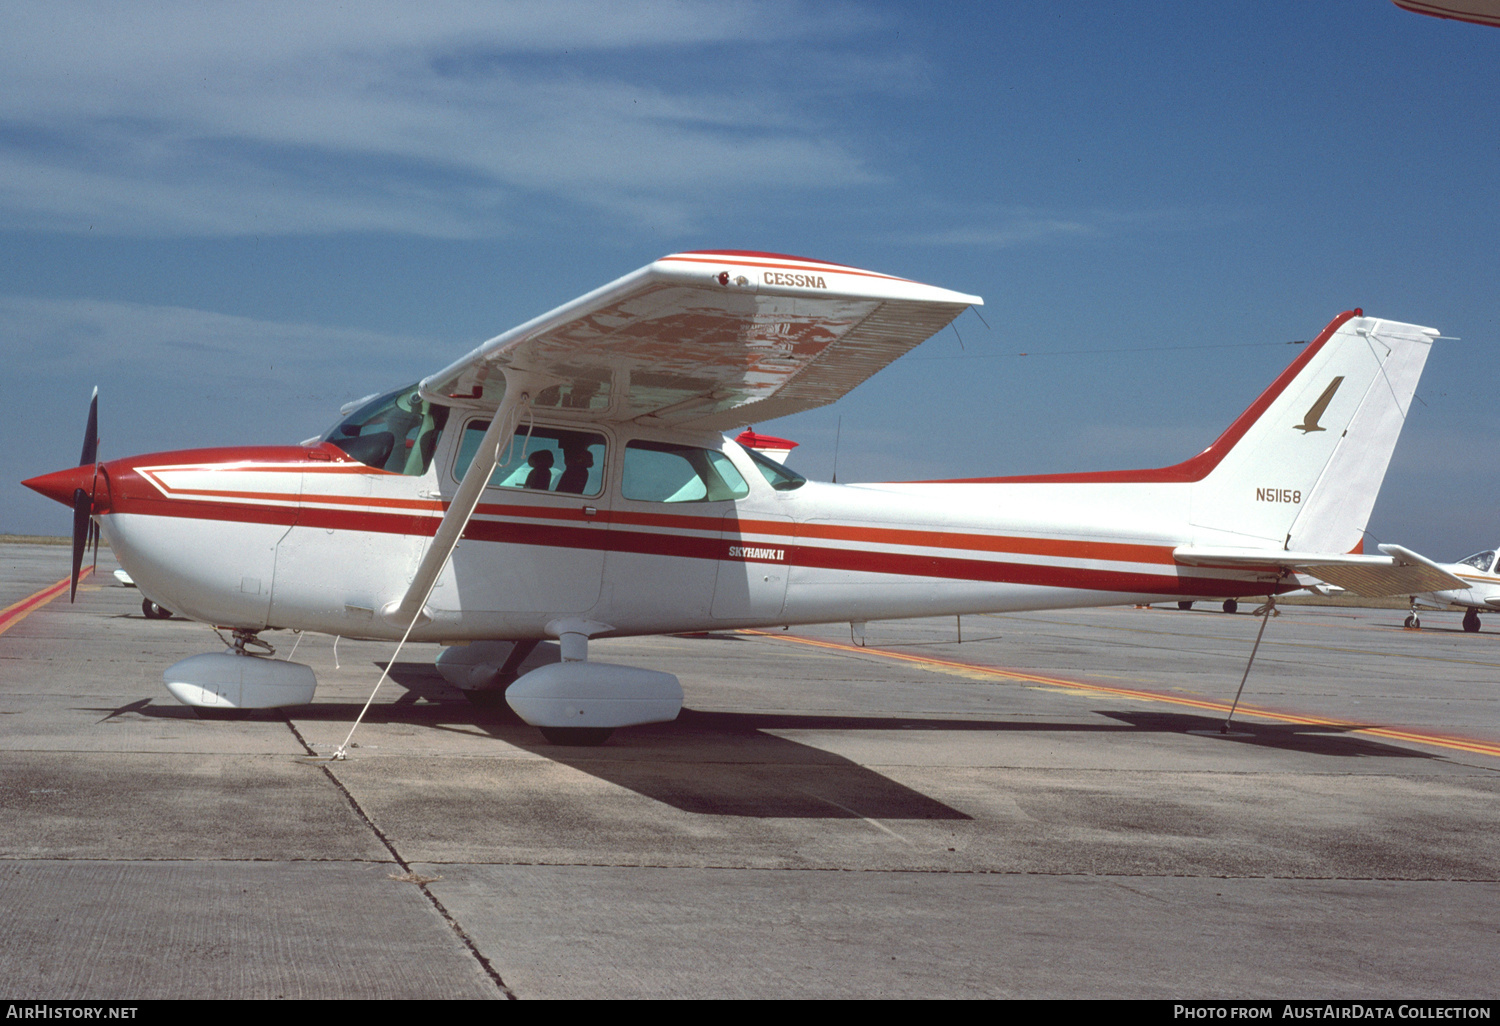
x=1473 y=583
x=569 y=479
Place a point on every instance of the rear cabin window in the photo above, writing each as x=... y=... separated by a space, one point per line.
x=668 y=472
x=540 y=459
x=398 y=432
x=777 y=476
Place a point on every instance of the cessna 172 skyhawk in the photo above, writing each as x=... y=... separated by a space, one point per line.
x=569 y=479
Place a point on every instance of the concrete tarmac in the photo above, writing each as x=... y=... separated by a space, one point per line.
x=1027 y=814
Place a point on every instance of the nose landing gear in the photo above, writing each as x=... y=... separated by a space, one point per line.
x=1412 y=623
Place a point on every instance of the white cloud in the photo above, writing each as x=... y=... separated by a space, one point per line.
x=178 y=347
x=445 y=120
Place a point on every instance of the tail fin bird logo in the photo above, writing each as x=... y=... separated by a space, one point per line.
x=1315 y=411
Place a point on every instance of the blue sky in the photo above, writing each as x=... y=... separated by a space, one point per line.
x=233 y=218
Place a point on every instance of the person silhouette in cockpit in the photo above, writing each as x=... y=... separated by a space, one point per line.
x=541 y=470
x=575 y=477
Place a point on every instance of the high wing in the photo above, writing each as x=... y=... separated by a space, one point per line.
x=709 y=340
x=1399 y=572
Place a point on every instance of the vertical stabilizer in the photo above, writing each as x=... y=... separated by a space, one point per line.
x=1304 y=472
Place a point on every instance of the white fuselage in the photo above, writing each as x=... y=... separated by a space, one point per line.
x=308 y=538
x=1483 y=578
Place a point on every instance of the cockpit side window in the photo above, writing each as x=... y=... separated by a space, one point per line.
x=540 y=458
x=397 y=432
x=1480 y=560
x=668 y=472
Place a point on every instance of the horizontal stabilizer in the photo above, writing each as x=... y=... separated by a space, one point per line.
x=1398 y=572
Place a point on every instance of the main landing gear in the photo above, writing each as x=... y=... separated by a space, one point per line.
x=1230 y=605
x=236 y=678
x=154 y=611
x=577 y=702
x=1471 y=619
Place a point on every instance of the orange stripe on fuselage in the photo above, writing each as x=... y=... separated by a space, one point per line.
x=967 y=555
x=1017 y=545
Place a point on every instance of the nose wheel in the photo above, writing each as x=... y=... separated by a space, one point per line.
x=1471 y=621
x=154 y=611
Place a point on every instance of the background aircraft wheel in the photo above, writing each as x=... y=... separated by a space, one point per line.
x=154 y=611
x=578 y=737
x=1230 y=605
x=1184 y=605
x=1471 y=621
x=1413 y=622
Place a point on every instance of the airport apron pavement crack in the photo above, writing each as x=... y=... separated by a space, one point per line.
x=421 y=883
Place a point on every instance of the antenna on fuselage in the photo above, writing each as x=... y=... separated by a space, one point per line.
x=837 y=431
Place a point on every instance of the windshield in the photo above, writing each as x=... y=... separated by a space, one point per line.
x=398 y=432
x=1480 y=560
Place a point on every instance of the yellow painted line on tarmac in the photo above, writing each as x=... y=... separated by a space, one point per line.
x=981 y=671
x=1277 y=642
x=18 y=611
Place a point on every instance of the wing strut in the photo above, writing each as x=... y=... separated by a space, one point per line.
x=412 y=606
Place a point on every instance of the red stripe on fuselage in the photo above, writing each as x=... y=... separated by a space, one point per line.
x=310 y=514
x=680 y=535
x=620 y=538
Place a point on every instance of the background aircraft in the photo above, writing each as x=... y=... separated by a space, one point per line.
x=1475 y=585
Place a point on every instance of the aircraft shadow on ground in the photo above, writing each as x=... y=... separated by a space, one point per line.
x=1337 y=740
x=734 y=764
x=753 y=773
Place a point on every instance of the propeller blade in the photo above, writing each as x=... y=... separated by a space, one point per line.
x=91 y=433
x=83 y=506
x=84 y=528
